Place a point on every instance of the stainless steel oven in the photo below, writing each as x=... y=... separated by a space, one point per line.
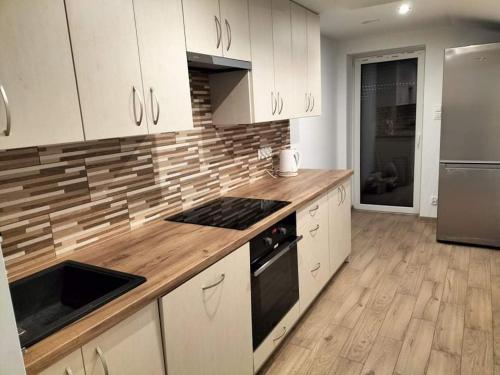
x=275 y=285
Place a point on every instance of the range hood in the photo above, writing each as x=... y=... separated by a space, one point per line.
x=216 y=63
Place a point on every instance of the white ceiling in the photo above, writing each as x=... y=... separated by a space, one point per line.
x=344 y=18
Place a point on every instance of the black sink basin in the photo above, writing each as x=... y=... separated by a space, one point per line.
x=57 y=296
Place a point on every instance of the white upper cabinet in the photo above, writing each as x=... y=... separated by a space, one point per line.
x=38 y=99
x=235 y=29
x=203 y=26
x=107 y=67
x=282 y=42
x=262 y=74
x=301 y=99
x=160 y=33
x=314 y=63
x=217 y=28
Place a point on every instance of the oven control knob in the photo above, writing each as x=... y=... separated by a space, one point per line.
x=268 y=241
x=282 y=231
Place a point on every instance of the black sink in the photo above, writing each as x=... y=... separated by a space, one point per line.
x=57 y=296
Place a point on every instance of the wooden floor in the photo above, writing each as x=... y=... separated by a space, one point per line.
x=404 y=305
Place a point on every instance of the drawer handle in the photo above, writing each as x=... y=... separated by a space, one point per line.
x=314 y=230
x=313 y=210
x=6 y=132
x=100 y=354
x=222 y=277
x=318 y=266
x=68 y=371
x=280 y=335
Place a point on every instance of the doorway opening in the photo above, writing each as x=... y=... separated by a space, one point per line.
x=387 y=132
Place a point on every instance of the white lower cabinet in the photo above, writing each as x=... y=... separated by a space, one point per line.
x=132 y=347
x=339 y=201
x=72 y=364
x=313 y=253
x=207 y=321
x=274 y=339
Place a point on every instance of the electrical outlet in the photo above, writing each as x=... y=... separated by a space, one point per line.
x=434 y=200
x=264 y=153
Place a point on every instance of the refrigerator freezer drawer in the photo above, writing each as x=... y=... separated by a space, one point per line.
x=469 y=204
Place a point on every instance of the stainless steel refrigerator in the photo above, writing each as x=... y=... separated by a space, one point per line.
x=469 y=172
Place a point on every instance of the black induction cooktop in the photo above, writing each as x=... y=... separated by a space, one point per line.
x=229 y=212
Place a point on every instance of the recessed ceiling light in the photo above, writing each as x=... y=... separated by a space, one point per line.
x=404 y=9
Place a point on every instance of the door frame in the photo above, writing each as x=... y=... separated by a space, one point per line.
x=358 y=62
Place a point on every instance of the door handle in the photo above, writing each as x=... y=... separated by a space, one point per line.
x=5 y=99
x=104 y=364
x=68 y=371
x=308 y=102
x=229 y=35
x=274 y=103
x=418 y=140
x=218 y=27
x=313 y=102
x=157 y=117
x=136 y=94
x=283 y=332
x=340 y=197
x=221 y=279
x=281 y=107
x=343 y=193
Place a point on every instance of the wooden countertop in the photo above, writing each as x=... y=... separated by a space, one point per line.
x=168 y=254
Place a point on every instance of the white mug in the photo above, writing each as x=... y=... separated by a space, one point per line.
x=289 y=162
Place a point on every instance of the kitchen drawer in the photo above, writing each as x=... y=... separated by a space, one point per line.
x=313 y=259
x=273 y=340
x=313 y=210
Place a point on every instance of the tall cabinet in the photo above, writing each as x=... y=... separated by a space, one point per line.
x=339 y=202
x=38 y=96
x=217 y=27
x=306 y=62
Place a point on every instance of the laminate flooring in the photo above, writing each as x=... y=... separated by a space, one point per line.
x=405 y=304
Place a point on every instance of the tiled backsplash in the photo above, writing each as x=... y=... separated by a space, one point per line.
x=59 y=198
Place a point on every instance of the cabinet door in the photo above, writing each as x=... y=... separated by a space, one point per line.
x=162 y=49
x=132 y=347
x=203 y=26
x=313 y=258
x=107 y=67
x=300 y=100
x=207 y=321
x=339 y=200
x=37 y=76
x=69 y=365
x=282 y=42
x=236 y=30
x=314 y=63
x=261 y=40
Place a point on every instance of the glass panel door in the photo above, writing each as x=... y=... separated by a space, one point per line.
x=387 y=132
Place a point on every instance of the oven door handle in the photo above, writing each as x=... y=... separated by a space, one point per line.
x=279 y=253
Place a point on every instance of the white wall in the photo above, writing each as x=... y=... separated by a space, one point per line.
x=316 y=137
x=435 y=40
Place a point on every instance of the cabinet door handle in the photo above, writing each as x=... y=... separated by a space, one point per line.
x=313 y=210
x=343 y=193
x=6 y=132
x=281 y=107
x=104 y=364
x=340 y=197
x=219 y=31
x=274 y=103
x=68 y=371
x=221 y=279
x=283 y=332
x=229 y=35
x=308 y=102
x=314 y=230
x=313 y=102
x=138 y=96
x=157 y=117
x=318 y=266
